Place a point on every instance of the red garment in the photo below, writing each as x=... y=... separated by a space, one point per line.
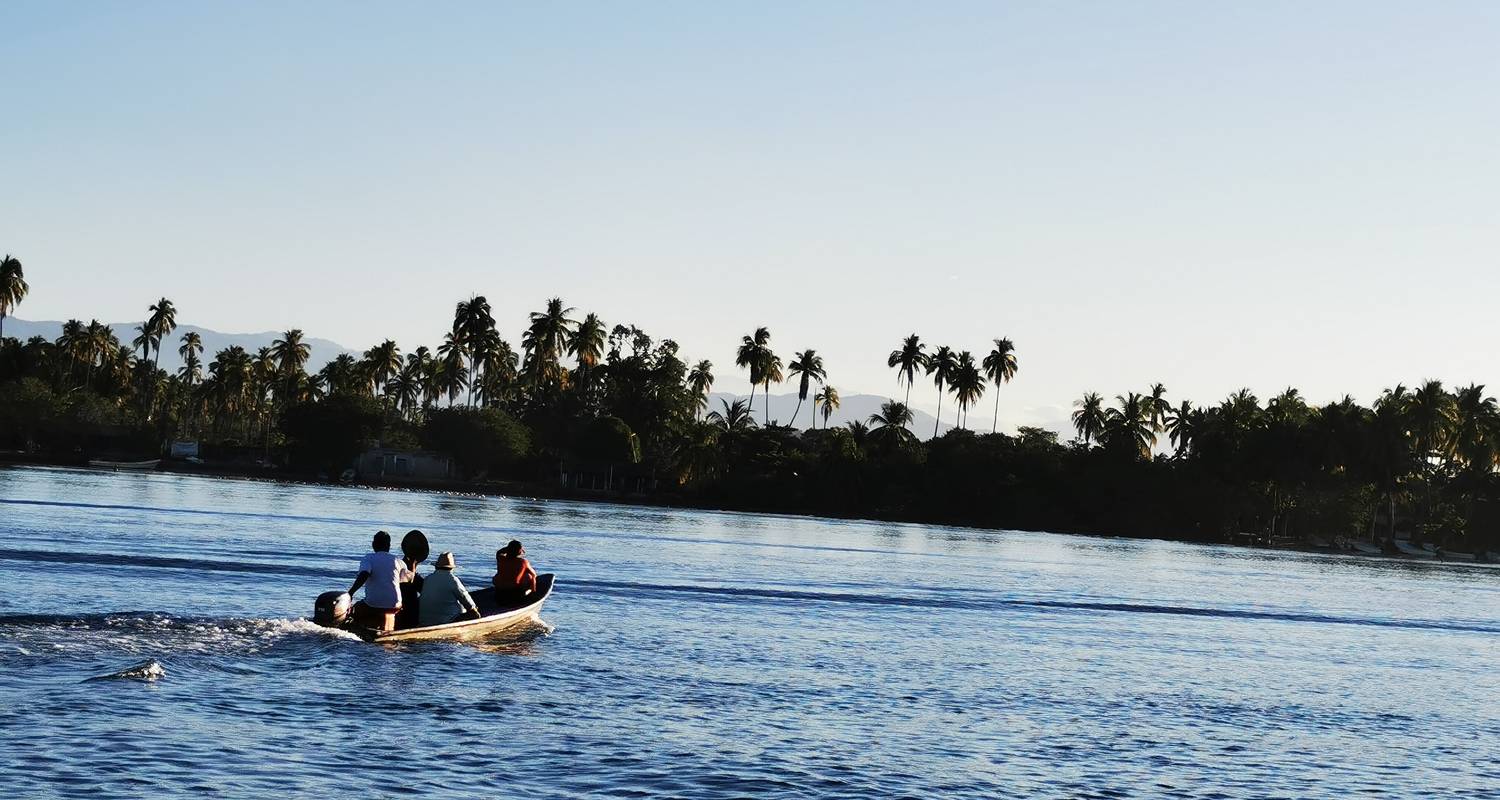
x=514 y=574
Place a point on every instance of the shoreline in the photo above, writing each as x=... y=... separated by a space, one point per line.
x=531 y=491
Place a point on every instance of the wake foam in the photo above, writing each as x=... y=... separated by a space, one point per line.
x=148 y=671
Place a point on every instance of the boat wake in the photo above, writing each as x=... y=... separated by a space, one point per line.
x=148 y=671
x=153 y=637
x=999 y=602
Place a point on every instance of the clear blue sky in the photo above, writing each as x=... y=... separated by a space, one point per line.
x=1211 y=195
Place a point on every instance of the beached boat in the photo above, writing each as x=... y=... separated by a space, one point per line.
x=1367 y=549
x=1410 y=550
x=149 y=464
x=332 y=611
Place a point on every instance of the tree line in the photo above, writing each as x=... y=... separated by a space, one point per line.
x=1418 y=462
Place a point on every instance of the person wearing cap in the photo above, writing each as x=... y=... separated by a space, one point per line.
x=381 y=573
x=444 y=598
x=514 y=577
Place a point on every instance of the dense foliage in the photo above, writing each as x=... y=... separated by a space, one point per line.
x=580 y=395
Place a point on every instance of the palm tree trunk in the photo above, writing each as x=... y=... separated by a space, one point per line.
x=796 y=411
x=151 y=397
x=767 y=393
x=939 y=420
x=1391 y=520
x=995 y=426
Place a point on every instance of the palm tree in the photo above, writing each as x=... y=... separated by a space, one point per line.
x=889 y=426
x=13 y=287
x=1432 y=416
x=405 y=388
x=545 y=340
x=1130 y=425
x=290 y=352
x=700 y=380
x=1089 y=419
x=1390 y=448
x=1182 y=426
x=290 y=355
x=452 y=376
x=382 y=362
x=99 y=343
x=809 y=366
x=432 y=389
x=1000 y=367
x=143 y=339
x=266 y=382
x=339 y=375
x=498 y=362
x=1157 y=406
x=828 y=397
x=474 y=333
x=735 y=418
x=71 y=344
x=752 y=355
x=162 y=322
x=191 y=351
x=859 y=432
x=770 y=372
x=587 y=342
x=942 y=366
x=906 y=361
x=1474 y=443
x=118 y=362
x=968 y=384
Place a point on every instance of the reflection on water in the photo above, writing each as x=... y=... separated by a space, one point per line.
x=709 y=654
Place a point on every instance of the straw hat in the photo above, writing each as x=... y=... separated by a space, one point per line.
x=444 y=560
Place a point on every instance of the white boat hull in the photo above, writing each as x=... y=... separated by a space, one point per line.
x=495 y=620
x=131 y=465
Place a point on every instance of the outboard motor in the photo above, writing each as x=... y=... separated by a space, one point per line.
x=332 y=609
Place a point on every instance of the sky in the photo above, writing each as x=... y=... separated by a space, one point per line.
x=1209 y=195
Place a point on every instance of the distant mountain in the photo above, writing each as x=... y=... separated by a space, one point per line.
x=851 y=407
x=323 y=350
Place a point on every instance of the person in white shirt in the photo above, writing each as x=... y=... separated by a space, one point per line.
x=381 y=573
x=444 y=596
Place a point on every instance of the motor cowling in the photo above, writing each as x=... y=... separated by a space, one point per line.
x=332 y=609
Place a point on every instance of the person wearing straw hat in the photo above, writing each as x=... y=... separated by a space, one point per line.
x=444 y=598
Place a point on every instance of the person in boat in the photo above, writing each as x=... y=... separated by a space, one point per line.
x=381 y=574
x=444 y=598
x=514 y=577
x=414 y=551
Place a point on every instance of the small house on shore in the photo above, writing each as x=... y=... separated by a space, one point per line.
x=389 y=462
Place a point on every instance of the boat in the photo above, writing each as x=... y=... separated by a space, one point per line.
x=149 y=464
x=1406 y=548
x=1367 y=549
x=332 y=610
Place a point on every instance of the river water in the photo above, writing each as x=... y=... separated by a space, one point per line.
x=152 y=644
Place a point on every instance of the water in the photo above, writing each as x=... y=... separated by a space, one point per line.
x=151 y=645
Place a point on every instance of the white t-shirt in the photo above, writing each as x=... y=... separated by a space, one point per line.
x=387 y=570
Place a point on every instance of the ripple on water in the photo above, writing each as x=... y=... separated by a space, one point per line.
x=720 y=655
